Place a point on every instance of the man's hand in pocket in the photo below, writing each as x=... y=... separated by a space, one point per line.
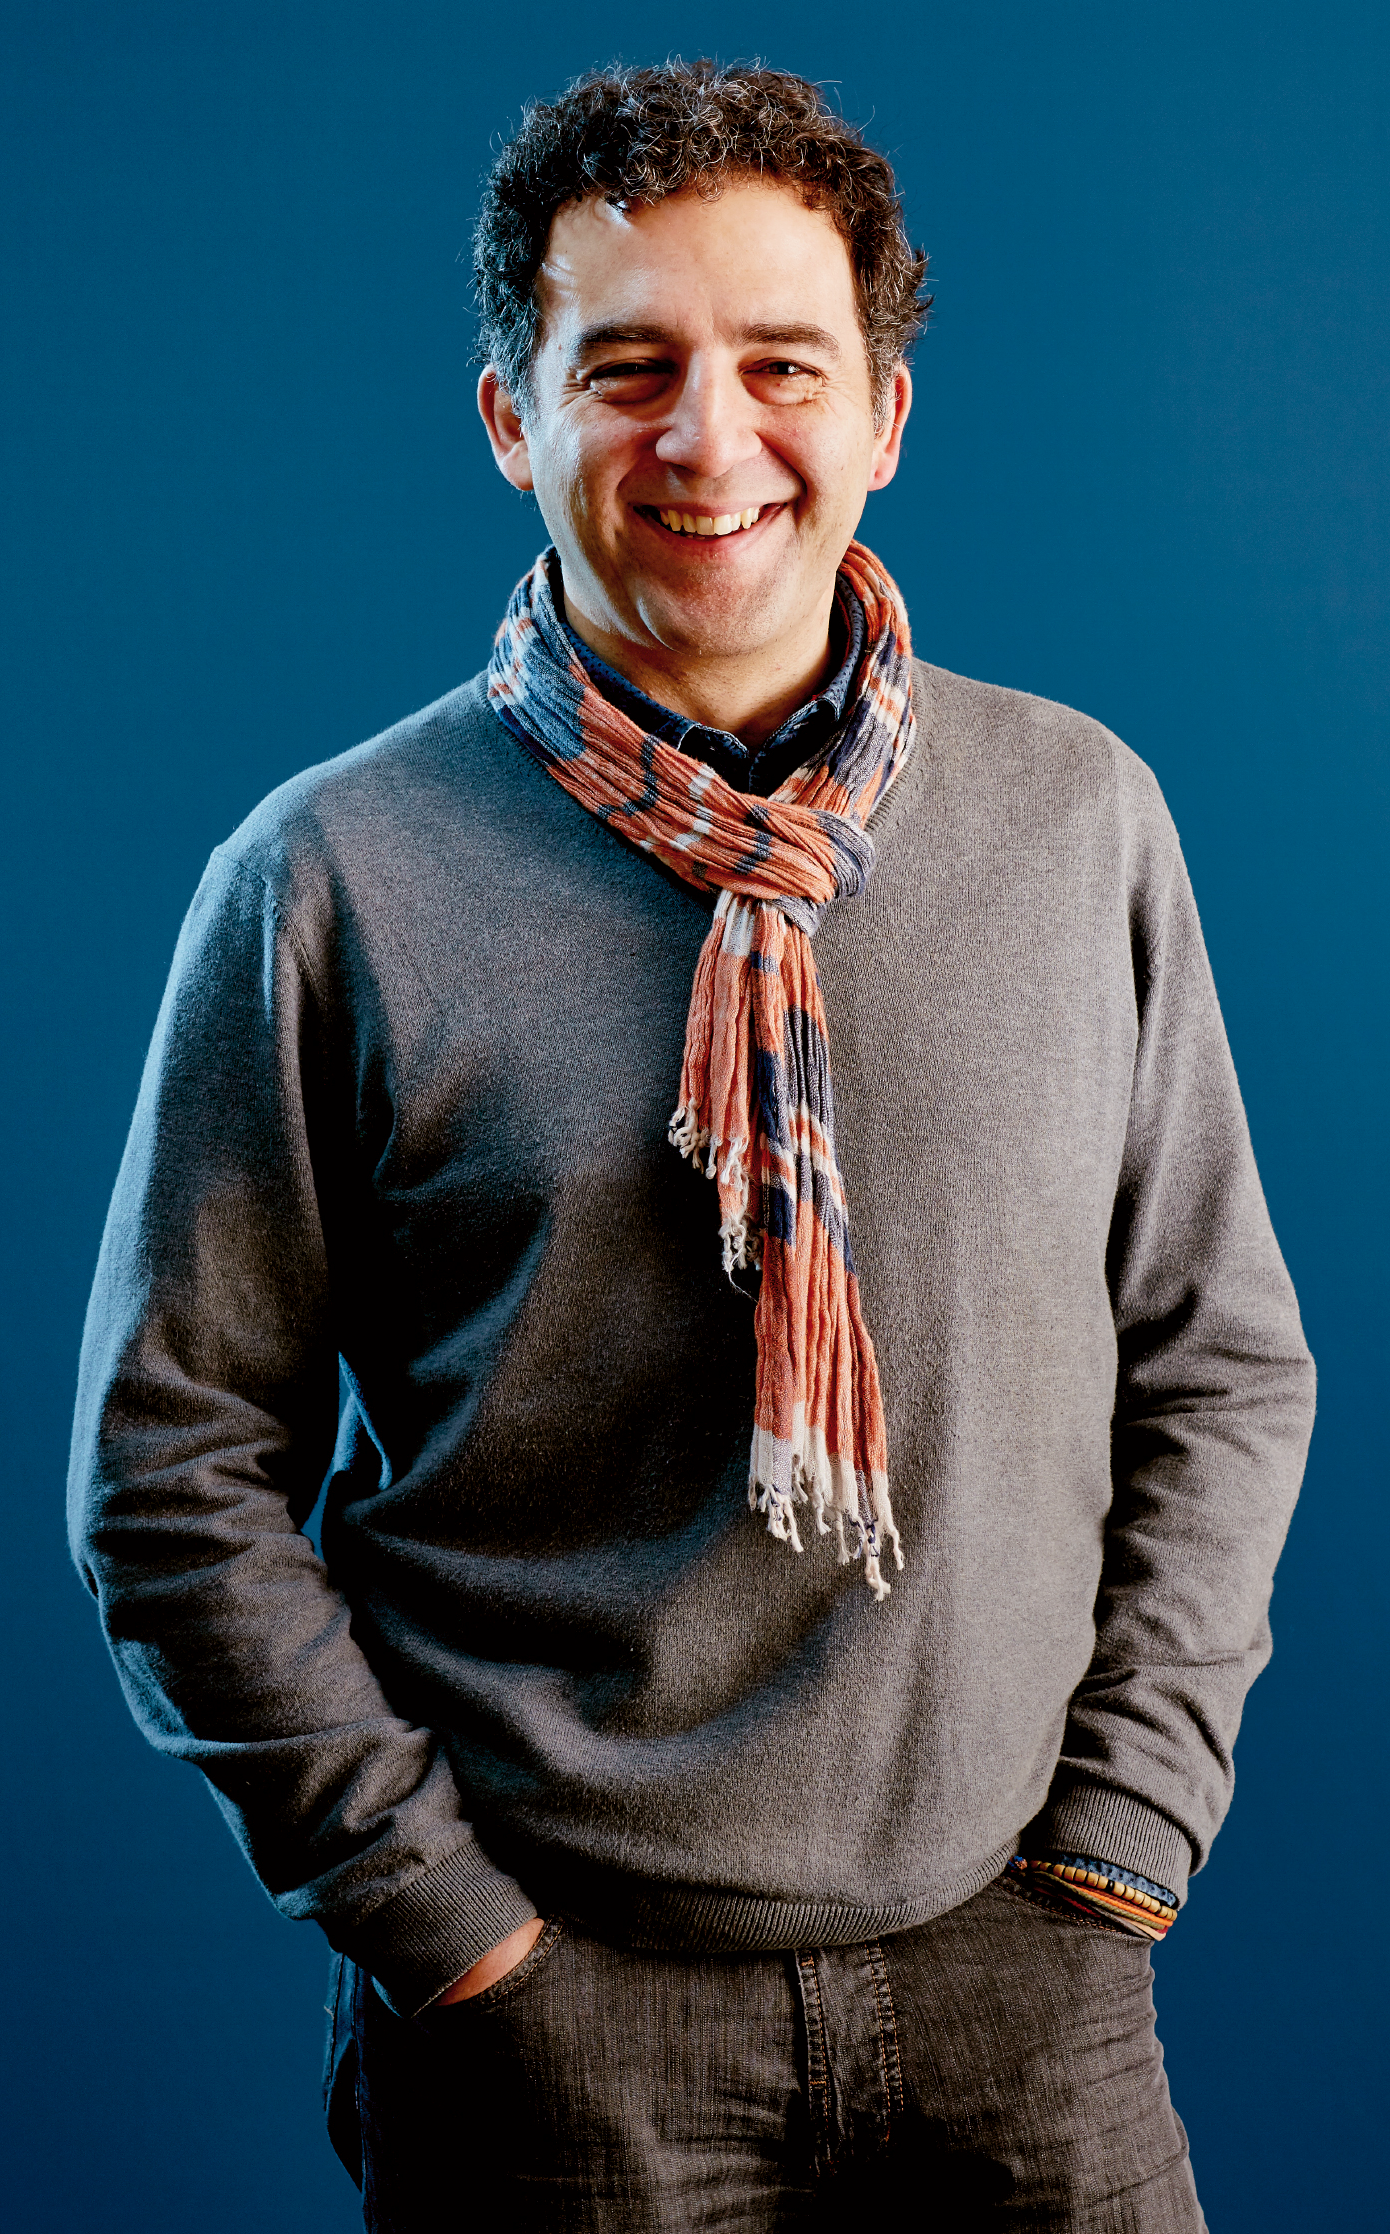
x=494 y=1964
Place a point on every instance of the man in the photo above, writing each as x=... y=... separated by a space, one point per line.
x=680 y=1878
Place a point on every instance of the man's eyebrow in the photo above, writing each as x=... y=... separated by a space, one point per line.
x=614 y=335
x=616 y=332
x=794 y=337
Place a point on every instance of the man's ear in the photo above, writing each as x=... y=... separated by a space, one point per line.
x=504 y=430
x=888 y=441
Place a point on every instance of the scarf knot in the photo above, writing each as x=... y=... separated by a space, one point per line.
x=854 y=854
x=755 y=1106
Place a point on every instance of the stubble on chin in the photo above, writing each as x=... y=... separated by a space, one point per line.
x=728 y=620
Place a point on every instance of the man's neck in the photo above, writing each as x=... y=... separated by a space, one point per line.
x=749 y=699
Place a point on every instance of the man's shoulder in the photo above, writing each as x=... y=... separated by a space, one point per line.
x=436 y=758
x=1006 y=724
x=439 y=782
x=993 y=736
x=430 y=804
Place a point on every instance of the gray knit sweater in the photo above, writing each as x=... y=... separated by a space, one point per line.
x=406 y=1105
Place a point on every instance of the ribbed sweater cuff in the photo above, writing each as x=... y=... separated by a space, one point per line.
x=443 y=1922
x=1112 y=1826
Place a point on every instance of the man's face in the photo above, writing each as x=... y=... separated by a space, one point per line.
x=701 y=432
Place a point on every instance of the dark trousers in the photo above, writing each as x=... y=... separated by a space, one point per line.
x=996 y=2068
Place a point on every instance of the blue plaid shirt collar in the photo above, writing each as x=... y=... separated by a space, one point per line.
x=761 y=768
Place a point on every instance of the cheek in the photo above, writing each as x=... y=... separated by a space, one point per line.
x=832 y=455
x=582 y=471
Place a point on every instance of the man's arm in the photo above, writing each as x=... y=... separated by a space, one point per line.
x=205 y=1423
x=1213 y=1411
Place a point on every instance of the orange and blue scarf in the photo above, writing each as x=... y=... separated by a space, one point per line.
x=755 y=1102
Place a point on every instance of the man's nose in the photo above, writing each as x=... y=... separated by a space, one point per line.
x=712 y=427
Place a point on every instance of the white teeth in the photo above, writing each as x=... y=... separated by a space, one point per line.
x=705 y=523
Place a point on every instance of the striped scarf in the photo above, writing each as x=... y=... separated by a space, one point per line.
x=755 y=1103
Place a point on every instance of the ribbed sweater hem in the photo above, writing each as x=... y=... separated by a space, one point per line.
x=694 y=1919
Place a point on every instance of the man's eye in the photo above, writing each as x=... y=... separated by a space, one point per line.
x=785 y=372
x=639 y=369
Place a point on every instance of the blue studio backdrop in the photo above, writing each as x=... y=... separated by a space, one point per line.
x=251 y=520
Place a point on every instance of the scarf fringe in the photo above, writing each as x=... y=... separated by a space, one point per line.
x=741 y=1238
x=870 y=1537
x=843 y=1501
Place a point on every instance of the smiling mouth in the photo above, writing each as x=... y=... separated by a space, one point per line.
x=706 y=523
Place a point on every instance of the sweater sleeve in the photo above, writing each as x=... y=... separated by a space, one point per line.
x=1213 y=1411
x=206 y=1416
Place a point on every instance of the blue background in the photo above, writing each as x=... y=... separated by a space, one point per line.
x=251 y=520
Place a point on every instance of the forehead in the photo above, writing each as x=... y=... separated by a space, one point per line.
x=750 y=255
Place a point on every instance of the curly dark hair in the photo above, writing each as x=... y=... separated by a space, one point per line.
x=637 y=135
